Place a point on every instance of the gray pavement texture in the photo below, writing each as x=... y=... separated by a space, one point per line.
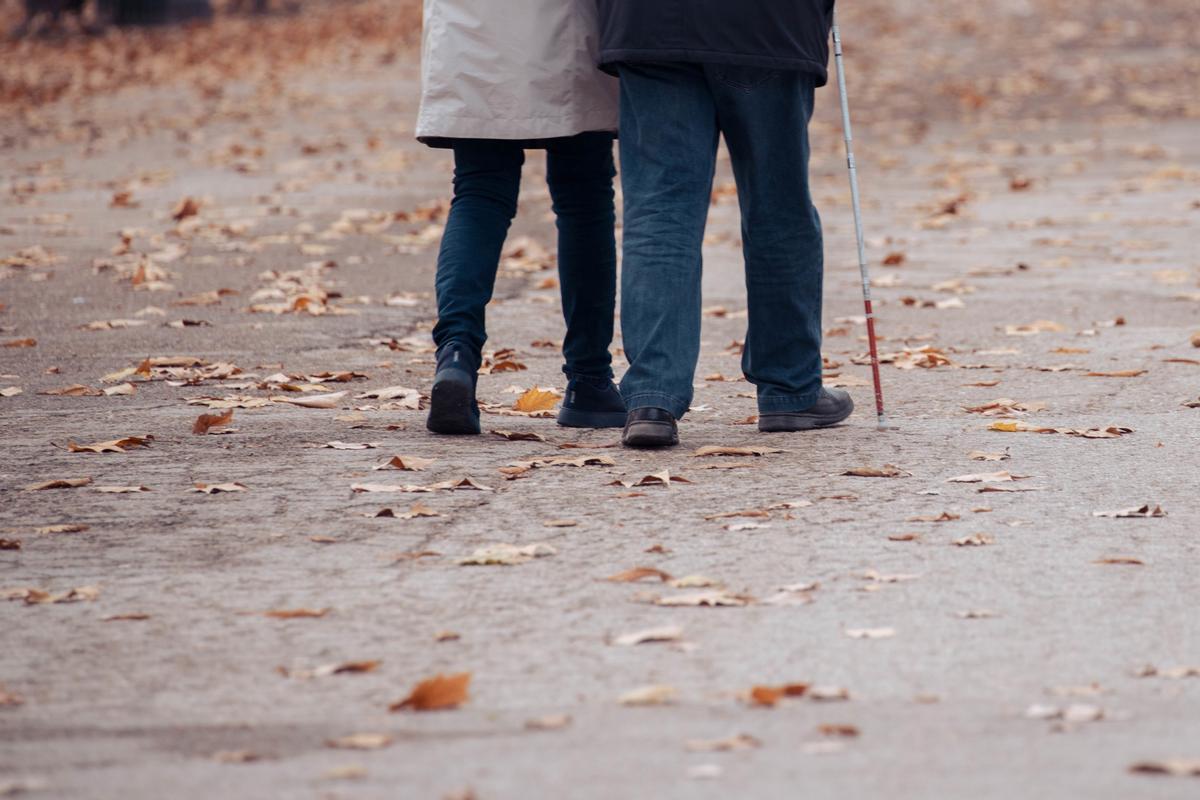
x=1038 y=216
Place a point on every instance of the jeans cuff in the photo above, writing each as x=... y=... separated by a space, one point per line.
x=673 y=404
x=785 y=403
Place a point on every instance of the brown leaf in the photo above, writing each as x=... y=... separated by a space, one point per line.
x=507 y=554
x=945 y=516
x=436 y=693
x=1122 y=373
x=10 y=544
x=670 y=633
x=75 y=390
x=115 y=446
x=520 y=436
x=535 y=399
x=659 y=695
x=711 y=599
x=330 y=400
x=296 y=613
x=846 y=731
x=69 y=527
x=1132 y=561
x=205 y=422
x=135 y=616
x=664 y=478
x=1177 y=767
x=769 y=696
x=987 y=477
x=406 y=463
x=975 y=540
x=982 y=455
x=216 y=488
x=742 y=741
x=59 y=483
x=715 y=450
x=550 y=722
x=360 y=741
x=904 y=537
x=186 y=207
x=637 y=574
x=886 y=471
x=1135 y=511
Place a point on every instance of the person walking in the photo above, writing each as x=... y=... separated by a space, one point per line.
x=690 y=71
x=498 y=79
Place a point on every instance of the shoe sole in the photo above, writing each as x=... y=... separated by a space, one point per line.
x=451 y=405
x=792 y=423
x=575 y=418
x=650 y=434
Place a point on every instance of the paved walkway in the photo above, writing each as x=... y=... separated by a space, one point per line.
x=1036 y=265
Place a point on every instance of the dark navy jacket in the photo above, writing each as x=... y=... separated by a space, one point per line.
x=779 y=34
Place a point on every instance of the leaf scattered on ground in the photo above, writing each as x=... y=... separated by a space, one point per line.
x=114 y=446
x=886 y=471
x=406 y=463
x=658 y=695
x=360 y=741
x=718 y=450
x=441 y=692
x=218 y=488
x=1146 y=511
x=669 y=633
x=870 y=633
x=638 y=574
x=710 y=599
x=296 y=613
x=975 y=540
x=58 y=483
x=206 y=422
x=741 y=741
x=507 y=554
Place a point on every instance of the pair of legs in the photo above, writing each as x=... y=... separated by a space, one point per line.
x=672 y=116
x=487 y=179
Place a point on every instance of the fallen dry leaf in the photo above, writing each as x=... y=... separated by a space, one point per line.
x=1122 y=373
x=1176 y=767
x=982 y=455
x=637 y=574
x=330 y=400
x=987 y=477
x=360 y=741
x=708 y=599
x=742 y=741
x=664 y=478
x=121 y=489
x=975 y=540
x=507 y=554
x=115 y=446
x=658 y=695
x=335 y=445
x=520 y=436
x=216 y=488
x=886 y=471
x=1012 y=426
x=75 y=390
x=535 y=399
x=670 y=633
x=435 y=694
x=58 y=483
x=10 y=544
x=19 y=343
x=406 y=463
x=550 y=722
x=1145 y=511
x=296 y=613
x=68 y=527
x=945 y=516
x=715 y=450
x=769 y=696
x=1132 y=561
x=205 y=422
x=838 y=730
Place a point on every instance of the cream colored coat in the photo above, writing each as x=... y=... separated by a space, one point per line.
x=513 y=69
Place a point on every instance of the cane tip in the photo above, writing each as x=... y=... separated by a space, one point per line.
x=885 y=424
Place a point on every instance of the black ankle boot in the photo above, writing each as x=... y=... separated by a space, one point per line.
x=452 y=406
x=591 y=403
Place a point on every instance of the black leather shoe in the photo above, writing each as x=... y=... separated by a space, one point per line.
x=650 y=427
x=832 y=407
x=452 y=406
x=591 y=403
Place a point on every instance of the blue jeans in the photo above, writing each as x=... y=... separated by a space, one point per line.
x=671 y=118
x=487 y=179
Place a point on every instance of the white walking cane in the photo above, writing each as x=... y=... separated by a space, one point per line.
x=858 y=227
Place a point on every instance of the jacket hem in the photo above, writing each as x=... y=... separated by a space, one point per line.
x=610 y=58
